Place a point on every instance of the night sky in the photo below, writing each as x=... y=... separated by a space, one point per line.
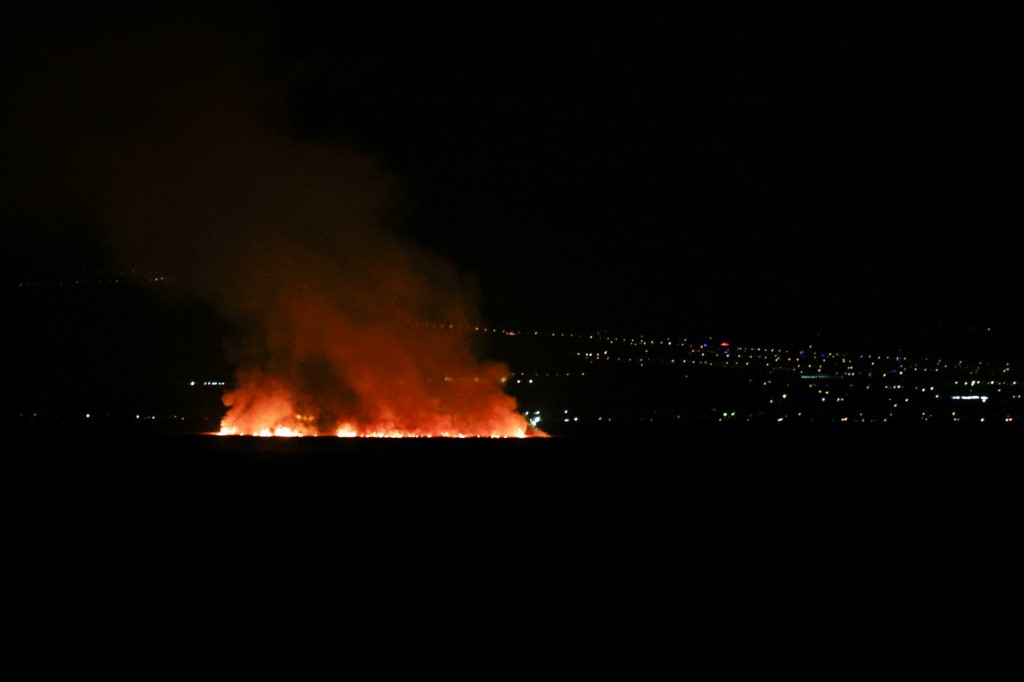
x=850 y=175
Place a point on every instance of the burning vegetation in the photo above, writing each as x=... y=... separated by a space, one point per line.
x=343 y=340
x=368 y=382
x=303 y=246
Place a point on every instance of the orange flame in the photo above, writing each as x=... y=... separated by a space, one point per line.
x=347 y=380
x=262 y=406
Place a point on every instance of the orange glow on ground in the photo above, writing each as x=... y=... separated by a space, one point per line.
x=475 y=407
x=285 y=432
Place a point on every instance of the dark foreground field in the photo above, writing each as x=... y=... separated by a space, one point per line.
x=847 y=554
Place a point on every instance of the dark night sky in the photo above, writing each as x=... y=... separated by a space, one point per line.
x=680 y=168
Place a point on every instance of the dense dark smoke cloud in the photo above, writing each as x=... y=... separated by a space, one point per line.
x=165 y=130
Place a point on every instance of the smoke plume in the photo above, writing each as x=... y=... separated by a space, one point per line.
x=181 y=146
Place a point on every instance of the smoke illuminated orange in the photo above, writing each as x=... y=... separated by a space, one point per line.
x=262 y=406
x=374 y=381
x=339 y=325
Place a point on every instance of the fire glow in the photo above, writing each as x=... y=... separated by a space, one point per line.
x=337 y=322
x=302 y=428
x=266 y=409
x=372 y=382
